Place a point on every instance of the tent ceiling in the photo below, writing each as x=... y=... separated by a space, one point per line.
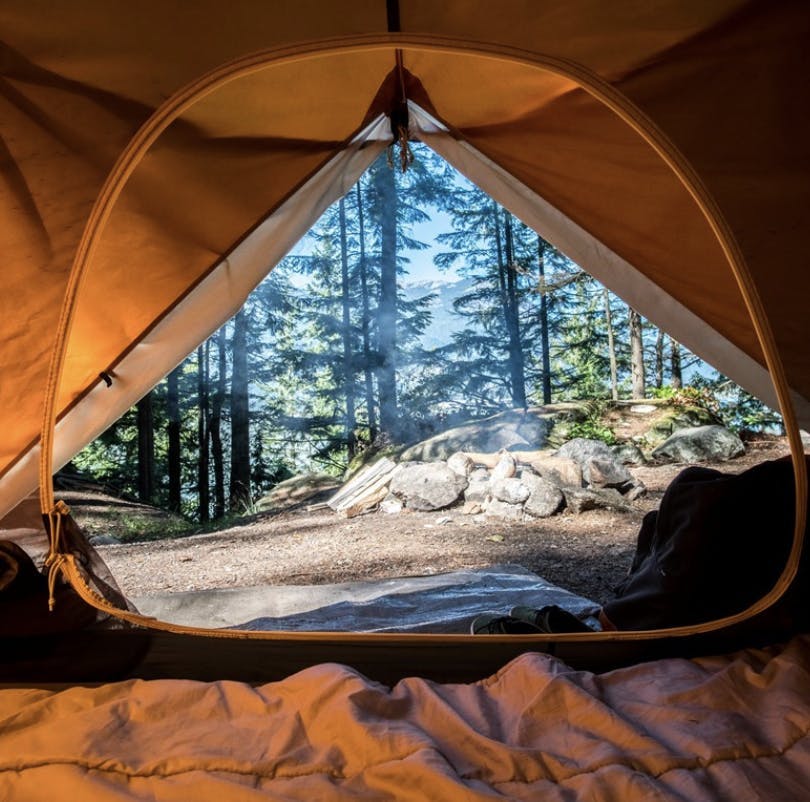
x=723 y=81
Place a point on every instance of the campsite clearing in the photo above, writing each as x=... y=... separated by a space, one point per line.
x=587 y=553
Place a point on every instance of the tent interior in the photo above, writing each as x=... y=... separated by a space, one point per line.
x=157 y=158
x=152 y=179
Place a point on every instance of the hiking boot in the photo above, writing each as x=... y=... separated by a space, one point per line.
x=497 y=624
x=549 y=619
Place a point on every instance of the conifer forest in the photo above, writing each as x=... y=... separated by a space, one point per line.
x=342 y=350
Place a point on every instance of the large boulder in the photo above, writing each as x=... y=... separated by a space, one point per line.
x=581 y=449
x=296 y=490
x=671 y=419
x=515 y=429
x=427 y=485
x=700 y=444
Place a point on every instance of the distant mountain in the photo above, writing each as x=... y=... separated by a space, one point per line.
x=445 y=323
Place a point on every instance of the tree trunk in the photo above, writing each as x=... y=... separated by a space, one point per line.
x=544 y=335
x=348 y=372
x=240 y=424
x=203 y=489
x=637 y=355
x=173 y=437
x=676 y=380
x=367 y=370
x=659 y=358
x=387 y=309
x=217 y=403
x=611 y=339
x=146 y=450
x=517 y=376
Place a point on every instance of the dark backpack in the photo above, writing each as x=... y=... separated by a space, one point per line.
x=717 y=544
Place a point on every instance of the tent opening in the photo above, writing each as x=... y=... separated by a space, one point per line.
x=712 y=319
x=332 y=457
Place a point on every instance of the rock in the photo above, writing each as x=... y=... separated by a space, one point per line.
x=506 y=467
x=628 y=454
x=581 y=449
x=427 y=485
x=544 y=498
x=479 y=475
x=511 y=490
x=296 y=490
x=643 y=409
x=675 y=418
x=477 y=491
x=805 y=439
x=103 y=540
x=501 y=509
x=560 y=471
x=700 y=444
x=513 y=429
x=472 y=508
x=600 y=467
x=391 y=504
x=461 y=464
x=580 y=499
x=599 y=472
x=638 y=490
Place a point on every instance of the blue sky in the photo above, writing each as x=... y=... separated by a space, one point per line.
x=421 y=267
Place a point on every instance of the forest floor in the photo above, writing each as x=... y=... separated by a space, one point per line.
x=587 y=553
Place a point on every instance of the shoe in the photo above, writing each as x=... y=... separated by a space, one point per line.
x=549 y=619
x=498 y=624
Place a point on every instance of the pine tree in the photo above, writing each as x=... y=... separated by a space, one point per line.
x=173 y=430
x=215 y=422
x=239 y=489
x=203 y=486
x=639 y=384
x=146 y=450
x=509 y=310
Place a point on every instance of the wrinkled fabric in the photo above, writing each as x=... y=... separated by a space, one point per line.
x=707 y=729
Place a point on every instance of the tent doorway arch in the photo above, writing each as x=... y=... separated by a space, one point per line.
x=632 y=117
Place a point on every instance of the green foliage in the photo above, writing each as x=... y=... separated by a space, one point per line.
x=737 y=408
x=593 y=426
x=689 y=396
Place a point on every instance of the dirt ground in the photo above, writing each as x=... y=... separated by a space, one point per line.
x=586 y=553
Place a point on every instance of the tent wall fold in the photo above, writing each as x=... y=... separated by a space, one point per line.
x=201 y=312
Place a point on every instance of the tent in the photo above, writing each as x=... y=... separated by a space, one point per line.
x=158 y=158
